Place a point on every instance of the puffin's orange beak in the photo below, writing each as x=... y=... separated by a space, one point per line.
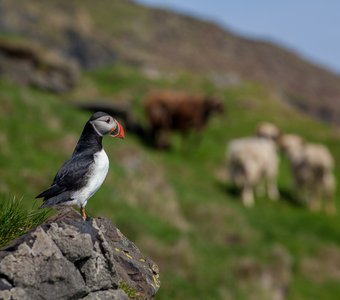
x=118 y=132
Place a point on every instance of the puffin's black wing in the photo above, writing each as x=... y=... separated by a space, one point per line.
x=70 y=177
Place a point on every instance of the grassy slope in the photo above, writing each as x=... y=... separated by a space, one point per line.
x=198 y=259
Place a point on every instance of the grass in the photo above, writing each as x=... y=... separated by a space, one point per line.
x=129 y=291
x=15 y=220
x=149 y=194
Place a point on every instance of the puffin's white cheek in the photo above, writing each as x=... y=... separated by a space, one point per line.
x=105 y=129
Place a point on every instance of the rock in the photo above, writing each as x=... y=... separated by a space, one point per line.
x=107 y=295
x=29 y=64
x=68 y=258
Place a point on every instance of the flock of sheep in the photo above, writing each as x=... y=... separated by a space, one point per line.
x=253 y=164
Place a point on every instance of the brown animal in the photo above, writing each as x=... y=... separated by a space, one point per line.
x=172 y=110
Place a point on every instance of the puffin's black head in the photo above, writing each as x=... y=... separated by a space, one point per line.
x=104 y=124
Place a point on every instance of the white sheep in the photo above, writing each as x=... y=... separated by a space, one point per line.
x=312 y=167
x=269 y=131
x=252 y=162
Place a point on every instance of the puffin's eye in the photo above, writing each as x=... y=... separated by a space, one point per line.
x=107 y=120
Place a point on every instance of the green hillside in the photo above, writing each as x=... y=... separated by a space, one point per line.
x=99 y=34
x=176 y=205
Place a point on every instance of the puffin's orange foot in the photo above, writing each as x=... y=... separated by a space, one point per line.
x=83 y=213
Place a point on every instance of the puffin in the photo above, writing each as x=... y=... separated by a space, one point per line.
x=83 y=174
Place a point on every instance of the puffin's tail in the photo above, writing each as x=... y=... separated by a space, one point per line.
x=52 y=191
x=56 y=200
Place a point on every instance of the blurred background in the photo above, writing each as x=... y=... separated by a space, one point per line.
x=187 y=78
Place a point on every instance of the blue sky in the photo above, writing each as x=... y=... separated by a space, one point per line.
x=309 y=27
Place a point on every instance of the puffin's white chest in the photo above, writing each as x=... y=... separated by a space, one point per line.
x=99 y=171
x=96 y=177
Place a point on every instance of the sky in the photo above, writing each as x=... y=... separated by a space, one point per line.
x=309 y=27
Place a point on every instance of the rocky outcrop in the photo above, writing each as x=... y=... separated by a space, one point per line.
x=68 y=258
x=29 y=64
